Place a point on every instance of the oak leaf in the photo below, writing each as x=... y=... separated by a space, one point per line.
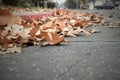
x=50 y=38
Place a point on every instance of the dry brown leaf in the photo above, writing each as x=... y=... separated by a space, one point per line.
x=4 y=12
x=10 y=20
x=46 y=32
x=2 y=27
x=94 y=31
x=51 y=38
x=96 y=18
x=70 y=34
x=77 y=31
x=48 y=25
x=5 y=41
x=13 y=49
x=26 y=24
x=82 y=23
x=85 y=32
x=34 y=30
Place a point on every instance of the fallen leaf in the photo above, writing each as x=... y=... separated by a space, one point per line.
x=51 y=38
x=10 y=20
x=82 y=24
x=94 y=31
x=34 y=30
x=13 y=49
x=4 y=12
x=17 y=32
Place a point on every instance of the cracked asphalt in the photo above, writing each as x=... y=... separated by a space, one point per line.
x=94 y=57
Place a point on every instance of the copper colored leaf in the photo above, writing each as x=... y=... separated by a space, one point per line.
x=82 y=23
x=10 y=20
x=2 y=27
x=51 y=38
x=34 y=30
x=4 y=12
x=5 y=42
x=16 y=31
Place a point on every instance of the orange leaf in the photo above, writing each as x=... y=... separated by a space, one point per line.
x=51 y=38
x=10 y=20
x=4 y=41
x=34 y=30
x=82 y=23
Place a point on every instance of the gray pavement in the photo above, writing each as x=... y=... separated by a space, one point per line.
x=94 y=57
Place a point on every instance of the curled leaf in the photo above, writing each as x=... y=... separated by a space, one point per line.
x=50 y=38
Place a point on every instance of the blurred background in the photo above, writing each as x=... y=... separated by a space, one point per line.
x=64 y=4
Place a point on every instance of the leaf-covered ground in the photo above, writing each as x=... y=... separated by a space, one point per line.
x=18 y=31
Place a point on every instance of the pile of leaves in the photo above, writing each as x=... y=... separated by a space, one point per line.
x=17 y=32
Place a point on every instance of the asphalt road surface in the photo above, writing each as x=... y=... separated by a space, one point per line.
x=94 y=57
